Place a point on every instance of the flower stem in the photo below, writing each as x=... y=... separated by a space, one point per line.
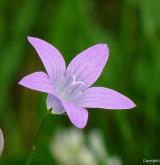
x=36 y=139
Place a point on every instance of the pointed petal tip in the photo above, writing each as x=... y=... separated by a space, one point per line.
x=23 y=81
x=107 y=48
x=30 y=38
x=133 y=105
x=105 y=98
x=130 y=104
x=38 y=81
x=103 y=45
x=20 y=82
x=77 y=115
x=80 y=127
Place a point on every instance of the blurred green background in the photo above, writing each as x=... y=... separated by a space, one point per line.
x=131 y=28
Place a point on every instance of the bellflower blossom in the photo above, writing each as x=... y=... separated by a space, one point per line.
x=69 y=88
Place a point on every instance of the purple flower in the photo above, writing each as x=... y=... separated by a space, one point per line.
x=69 y=88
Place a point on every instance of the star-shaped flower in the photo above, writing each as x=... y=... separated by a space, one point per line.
x=69 y=88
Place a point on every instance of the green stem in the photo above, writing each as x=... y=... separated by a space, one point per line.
x=36 y=139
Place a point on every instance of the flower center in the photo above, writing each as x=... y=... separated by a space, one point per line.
x=71 y=88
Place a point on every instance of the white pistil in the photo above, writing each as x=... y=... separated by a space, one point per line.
x=66 y=92
x=76 y=82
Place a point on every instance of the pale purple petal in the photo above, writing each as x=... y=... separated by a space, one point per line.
x=77 y=115
x=54 y=103
x=38 y=81
x=51 y=58
x=99 y=97
x=1 y=142
x=88 y=65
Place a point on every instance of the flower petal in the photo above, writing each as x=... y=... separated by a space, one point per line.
x=99 y=97
x=88 y=65
x=77 y=115
x=1 y=142
x=54 y=103
x=51 y=58
x=38 y=81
